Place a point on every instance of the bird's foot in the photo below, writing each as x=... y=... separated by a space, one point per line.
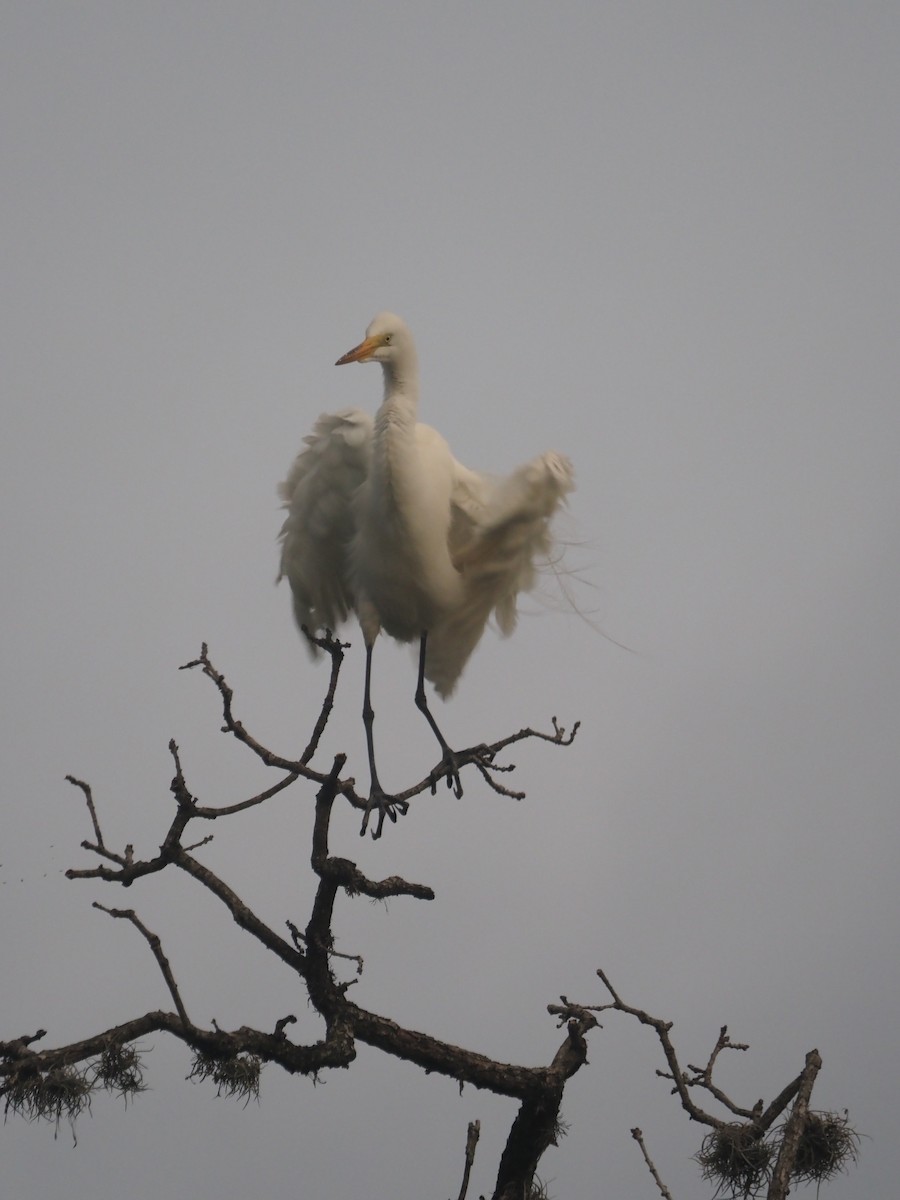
x=386 y=805
x=454 y=760
x=447 y=768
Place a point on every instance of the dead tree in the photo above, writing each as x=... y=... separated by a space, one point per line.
x=58 y=1082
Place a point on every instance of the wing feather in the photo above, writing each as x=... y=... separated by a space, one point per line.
x=500 y=537
x=321 y=523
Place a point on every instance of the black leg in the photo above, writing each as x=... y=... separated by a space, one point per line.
x=378 y=797
x=447 y=766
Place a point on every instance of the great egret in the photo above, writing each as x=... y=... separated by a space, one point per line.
x=383 y=521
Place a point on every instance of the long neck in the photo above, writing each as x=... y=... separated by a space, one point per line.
x=399 y=409
x=395 y=462
x=401 y=379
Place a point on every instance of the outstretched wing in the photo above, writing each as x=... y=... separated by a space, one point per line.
x=513 y=538
x=315 y=538
x=500 y=537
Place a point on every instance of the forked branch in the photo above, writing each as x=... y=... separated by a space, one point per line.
x=30 y=1079
x=750 y=1155
x=482 y=756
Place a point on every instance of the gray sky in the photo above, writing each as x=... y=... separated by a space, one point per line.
x=659 y=237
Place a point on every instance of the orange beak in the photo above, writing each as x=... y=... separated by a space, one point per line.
x=361 y=353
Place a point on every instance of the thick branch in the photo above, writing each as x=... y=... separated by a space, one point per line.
x=242 y=914
x=271 y=1047
x=537 y=1124
x=793 y=1130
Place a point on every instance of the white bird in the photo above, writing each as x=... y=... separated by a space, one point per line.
x=383 y=521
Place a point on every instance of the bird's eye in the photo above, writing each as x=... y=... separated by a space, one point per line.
x=387 y=339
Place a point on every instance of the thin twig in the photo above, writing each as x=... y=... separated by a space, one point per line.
x=299 y=939
x=481 y=756
x=233 y=726
x=86 y=789
x=128 y=914
x=335 y=650
x=703 y=1076
x=228 y=810
x=662 y=1029
x=474 y=1132
x=639 y=1138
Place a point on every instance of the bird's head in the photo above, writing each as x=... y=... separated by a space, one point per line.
x=388 y=341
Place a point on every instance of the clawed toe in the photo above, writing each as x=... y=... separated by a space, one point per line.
x=447 y=768
x=387 y=806
x=452 y=762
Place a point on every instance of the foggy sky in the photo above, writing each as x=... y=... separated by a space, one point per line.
x=661 y=238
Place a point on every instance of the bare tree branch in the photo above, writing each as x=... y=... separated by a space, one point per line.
x=472 y=1137
x=481 y=756
x=58 y=1080
x=793 y=1130
x=86 y=789
x=662 y=1029
x=639 y=1138
x=155 y=945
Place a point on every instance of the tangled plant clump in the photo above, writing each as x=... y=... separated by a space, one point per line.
x=119 y=1070
x=828 y=1146
x=736 y=1159
x=61 y=1092
x=234 y=1077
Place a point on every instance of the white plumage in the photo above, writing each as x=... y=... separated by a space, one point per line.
x=384 y=522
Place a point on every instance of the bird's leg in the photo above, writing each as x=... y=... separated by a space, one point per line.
x=378 y=797
x=448 y=765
